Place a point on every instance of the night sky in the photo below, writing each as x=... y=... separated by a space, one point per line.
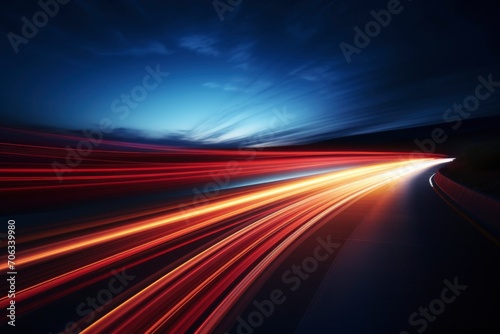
x=228 y=79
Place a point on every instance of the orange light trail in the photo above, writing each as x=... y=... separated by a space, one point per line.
x=226 y=242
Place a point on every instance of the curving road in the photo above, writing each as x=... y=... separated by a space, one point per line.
x=396 y=261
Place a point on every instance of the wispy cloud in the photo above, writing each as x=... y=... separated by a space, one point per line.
x=239 y=84
x=241 y=55
x=211 y=85
x=201 y=44
x=314 y=72
x=226 y=87
x=154 y=48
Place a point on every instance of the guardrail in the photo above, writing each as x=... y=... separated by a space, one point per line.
x=483 y=208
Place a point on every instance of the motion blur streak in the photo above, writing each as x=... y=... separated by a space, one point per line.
x=206 y=254
x=190 y=289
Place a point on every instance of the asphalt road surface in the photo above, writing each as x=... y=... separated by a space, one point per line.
x=411 y=265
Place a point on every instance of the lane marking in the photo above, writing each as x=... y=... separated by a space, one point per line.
x=430 y=180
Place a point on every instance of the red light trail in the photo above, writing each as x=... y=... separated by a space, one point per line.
x=227 y=241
